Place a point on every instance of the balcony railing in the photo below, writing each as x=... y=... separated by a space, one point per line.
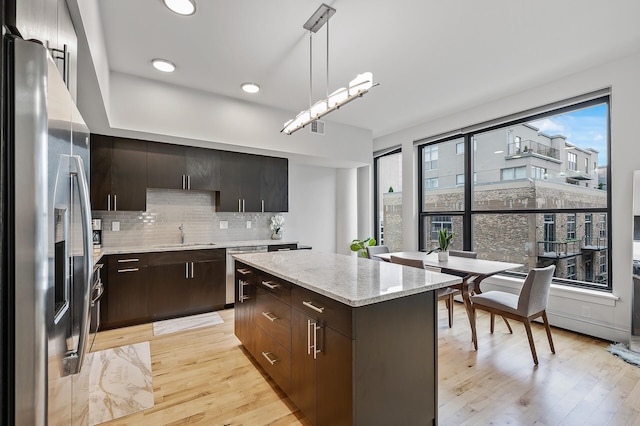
x=594 y=243
x=529 y=147
x=559 y=249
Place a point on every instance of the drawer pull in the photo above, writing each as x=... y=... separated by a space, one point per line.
x=129 y=270
x=244 y=271
x=269 y=316
x=266 y=355
x=128 y=260
x=270 y=286
x=312 y=306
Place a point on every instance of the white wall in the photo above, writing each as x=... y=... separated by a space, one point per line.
x=312 y=206
x=145 y=105
x=607 y=319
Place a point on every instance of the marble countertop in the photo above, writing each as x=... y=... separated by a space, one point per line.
x=354 y=281
x=98 y=253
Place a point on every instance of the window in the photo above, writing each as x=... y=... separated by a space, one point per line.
x=572 y=161
x=388 y=199
x=588 y=268
x=571 y=227
x=439 y=223
x=460 y=148
x=603 y=263
x=545 y=219
x=571 y=269
x=549 y=232
x=512 y=173
x=603 y=226
x=431 y=183
x=431 y=158
x=538 y=172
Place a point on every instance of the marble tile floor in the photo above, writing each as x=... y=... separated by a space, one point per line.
x=119 y=382
x=186 y=323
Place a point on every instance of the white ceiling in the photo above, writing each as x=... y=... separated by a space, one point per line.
x=430 y=57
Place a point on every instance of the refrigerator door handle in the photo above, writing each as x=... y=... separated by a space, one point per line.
x=75 y=358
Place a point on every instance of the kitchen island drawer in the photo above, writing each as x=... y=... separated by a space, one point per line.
x=274 y=358
x=275 y=286
x=274 y=316
x=328 y=312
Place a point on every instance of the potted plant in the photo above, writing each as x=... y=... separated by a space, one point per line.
x=360 y=246
x=277 y=223
x=444 y=239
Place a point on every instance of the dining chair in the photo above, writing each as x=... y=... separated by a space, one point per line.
x=530 y=304
x=371 y=250
x=445 y=293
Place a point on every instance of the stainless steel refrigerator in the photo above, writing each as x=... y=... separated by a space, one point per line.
x=48 y=245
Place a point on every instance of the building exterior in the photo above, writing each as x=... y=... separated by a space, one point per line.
x=519 y=168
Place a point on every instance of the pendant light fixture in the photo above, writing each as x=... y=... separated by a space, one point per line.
x=356 y=88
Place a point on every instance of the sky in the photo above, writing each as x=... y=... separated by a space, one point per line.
x=585 y=128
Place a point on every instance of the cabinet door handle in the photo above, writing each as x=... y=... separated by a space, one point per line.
x=241 y=296
x=128 y=260
x=312 y=306
x=115 y=202
x=109 y=202
x=188 y=181
x=244 y=271
x=239 y=205
x=243 y=205
x=129 y=270
x=262 y=201
x=191 y=269
x=312 y=330
x=269 y=316
x=186 y=270
x=267 y=356
x=284 y=249
x=183 y=182
x=269 y=285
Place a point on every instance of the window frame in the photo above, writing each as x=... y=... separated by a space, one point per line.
x=376 y=231
x=468 y=211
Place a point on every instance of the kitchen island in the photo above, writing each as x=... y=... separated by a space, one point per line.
x=350 y=340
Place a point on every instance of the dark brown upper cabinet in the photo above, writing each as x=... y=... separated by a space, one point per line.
x=118 y=174
x=203 y=169
x=182 y=167
x=274 y=184
x=166 y=166
x=240 y=182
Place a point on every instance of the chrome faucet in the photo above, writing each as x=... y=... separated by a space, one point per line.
x=181 y=228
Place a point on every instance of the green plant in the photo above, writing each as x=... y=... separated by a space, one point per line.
x=444 y=239
x=390 y=189
x=360 y=246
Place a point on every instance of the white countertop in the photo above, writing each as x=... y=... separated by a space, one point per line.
x=354 y=281
x=98 y=253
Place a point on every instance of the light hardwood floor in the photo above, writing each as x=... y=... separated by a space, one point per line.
x=204 y=377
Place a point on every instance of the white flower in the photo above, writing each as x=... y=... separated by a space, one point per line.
x=276 y=223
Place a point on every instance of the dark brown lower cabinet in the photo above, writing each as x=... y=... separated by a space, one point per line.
x=147 y=287
x=366 y=365
x=126 y=293
x=186 y=282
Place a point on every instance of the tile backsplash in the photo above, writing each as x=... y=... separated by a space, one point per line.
x=168 y=209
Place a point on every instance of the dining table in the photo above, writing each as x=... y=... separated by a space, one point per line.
x=472 y=271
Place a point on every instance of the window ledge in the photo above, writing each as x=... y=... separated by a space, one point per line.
x=557 y=290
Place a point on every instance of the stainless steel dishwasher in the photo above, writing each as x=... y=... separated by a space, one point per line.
x=230 y=294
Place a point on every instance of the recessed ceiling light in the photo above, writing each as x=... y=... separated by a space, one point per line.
x=163 y=65
x=250 y=87
x=181 y=7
